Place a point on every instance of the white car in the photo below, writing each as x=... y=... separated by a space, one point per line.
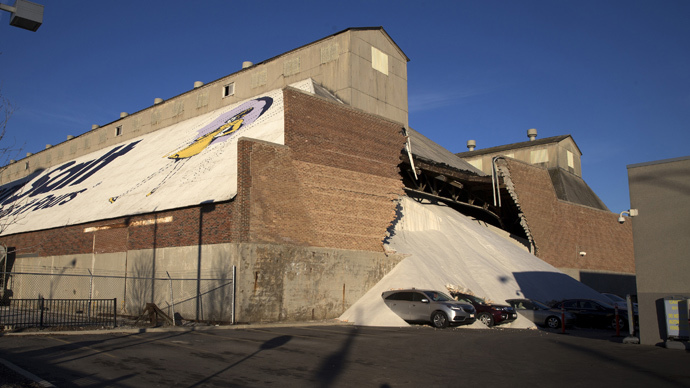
x=429 y=306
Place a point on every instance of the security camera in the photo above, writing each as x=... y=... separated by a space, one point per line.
x=631 y=213
x=583 y=254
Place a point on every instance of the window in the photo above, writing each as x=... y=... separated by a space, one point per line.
x=229 y=90
x=477 y=163
x=118 y=130
x=379 y=60
x=26 y=165
x=571 y=161
x=539 y=156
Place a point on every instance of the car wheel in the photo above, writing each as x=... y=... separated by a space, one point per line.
x=486 y=319
x=622 y=324
x=553 y=322
x=439 y=320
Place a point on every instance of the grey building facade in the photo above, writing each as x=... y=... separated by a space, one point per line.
x=660 y=191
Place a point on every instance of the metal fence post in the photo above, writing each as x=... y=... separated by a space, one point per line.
x=40 y=306
x=90 y=293
x=172 y=299
x=114 y=312
x=232 y=313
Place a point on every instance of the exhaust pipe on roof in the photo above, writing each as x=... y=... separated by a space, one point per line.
x=471 y=144
x=532 y=134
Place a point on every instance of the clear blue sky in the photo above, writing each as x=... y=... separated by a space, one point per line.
x=613 y=74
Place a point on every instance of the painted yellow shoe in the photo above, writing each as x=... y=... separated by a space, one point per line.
x=230 y=126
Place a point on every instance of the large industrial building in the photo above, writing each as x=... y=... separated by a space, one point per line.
x=288 y=171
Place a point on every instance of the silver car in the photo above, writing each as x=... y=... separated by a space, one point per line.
x=428 y=306
x=541 y=314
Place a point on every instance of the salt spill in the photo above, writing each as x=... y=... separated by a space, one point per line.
x=446 y=249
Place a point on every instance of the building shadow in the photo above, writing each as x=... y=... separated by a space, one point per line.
x=268 y=345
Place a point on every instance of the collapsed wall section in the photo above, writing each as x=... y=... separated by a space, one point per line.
x=562 y=230
x=333 y=184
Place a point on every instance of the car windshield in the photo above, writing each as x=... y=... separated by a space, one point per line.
x=603 y=304
x=541 y=305
x=438 y=296
x=615 y=298
x=473 y=298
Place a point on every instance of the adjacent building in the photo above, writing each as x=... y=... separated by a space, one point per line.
x=659 y=192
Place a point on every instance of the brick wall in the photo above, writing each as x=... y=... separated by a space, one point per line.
x=561 y=229
x=331 y=185
x=175 y=228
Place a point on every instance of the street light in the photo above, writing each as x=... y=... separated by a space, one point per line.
x=25 y=14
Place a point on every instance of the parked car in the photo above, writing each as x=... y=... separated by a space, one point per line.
x=594 y=313
x=490 y=314
x=428 y=306
x=620 y=301
x=541 y=314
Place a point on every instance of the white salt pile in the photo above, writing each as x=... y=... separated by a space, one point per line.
x=449 y=250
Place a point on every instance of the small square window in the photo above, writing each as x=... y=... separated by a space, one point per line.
x=229 y=90
x=118 y=131
x=26 y=165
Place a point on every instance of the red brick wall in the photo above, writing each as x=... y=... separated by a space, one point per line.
x=561 y=230
x=119 y=234
x=334 y=182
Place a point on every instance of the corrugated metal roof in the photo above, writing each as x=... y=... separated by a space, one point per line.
x=425 y=148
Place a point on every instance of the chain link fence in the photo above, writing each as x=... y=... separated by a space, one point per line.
x=191 y=295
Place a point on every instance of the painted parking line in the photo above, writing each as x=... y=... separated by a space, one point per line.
x=27 y=374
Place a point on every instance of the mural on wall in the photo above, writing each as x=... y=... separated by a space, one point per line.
x=185 y=164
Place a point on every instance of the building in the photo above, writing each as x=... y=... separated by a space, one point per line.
x=295 y=186
x=566 y=223
x=286 y=173
x=658 y=190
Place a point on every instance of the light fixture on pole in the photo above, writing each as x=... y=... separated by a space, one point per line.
x=24 y=14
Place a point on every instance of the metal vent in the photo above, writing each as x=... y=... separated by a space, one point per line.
x=259 y=78
x=329 y=53
x=291 y=66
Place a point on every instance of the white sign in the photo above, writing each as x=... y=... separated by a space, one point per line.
x=185 y=164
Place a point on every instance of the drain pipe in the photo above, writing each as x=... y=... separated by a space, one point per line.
x=495 y=186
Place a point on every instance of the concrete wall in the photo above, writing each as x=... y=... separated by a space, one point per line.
x=660 y=191
x=561 y=230
x=274 y=282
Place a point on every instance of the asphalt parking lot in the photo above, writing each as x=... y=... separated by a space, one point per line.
x=343 y=356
